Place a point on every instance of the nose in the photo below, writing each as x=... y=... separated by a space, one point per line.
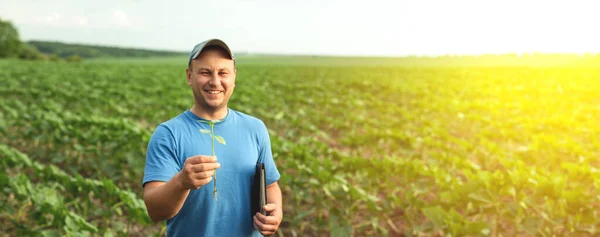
x=214 y=79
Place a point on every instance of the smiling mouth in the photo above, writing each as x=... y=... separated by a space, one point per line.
x=212 y=92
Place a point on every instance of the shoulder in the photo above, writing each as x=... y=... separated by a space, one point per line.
x=173 y=125
x=176 y=122
x=248 y=120
x=252 y=125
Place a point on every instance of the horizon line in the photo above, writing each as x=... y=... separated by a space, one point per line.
x=258 y=53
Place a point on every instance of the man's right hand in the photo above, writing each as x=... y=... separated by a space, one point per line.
x=198 y=171
x=165 y=199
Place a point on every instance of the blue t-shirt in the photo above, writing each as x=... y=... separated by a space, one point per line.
x=246 y=142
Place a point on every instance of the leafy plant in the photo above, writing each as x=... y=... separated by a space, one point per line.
x=219 y=139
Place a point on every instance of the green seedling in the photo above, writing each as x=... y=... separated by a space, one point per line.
x=219 y=139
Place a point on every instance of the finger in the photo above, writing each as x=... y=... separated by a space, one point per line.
x=205 y=167
x=257 y=223
x=204 y=175
x=201 y=159
x=269 y=220
x=263 y=227
x=270 y=207
x=201 y=182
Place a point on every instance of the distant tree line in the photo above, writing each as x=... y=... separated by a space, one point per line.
x=11 y=46
x=64 y=50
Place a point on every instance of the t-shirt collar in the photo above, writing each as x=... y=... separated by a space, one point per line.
x=197 y=118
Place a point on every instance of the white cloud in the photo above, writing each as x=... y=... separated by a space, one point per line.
x=120 y=18
x=51 y=19
x=56 y=19
x=80 y=20
x=116 y=19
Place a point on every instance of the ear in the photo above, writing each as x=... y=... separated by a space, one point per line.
x=234 y=76
x=188 y=73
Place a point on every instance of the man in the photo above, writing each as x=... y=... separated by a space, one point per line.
x=178 y=177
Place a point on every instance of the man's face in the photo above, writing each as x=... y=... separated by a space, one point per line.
x=212 y=79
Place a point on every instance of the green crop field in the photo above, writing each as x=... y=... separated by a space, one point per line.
x=388 y=147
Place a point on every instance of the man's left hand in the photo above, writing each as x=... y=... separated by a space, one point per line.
x=268 y=225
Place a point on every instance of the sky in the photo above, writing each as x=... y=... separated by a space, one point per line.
x=312 y=27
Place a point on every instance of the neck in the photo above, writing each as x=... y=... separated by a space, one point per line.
x=217 y=114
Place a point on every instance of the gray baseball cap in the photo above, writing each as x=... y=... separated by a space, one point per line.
x=210 y=42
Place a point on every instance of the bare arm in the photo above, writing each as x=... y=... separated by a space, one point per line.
x=164 y=199
x=274 y=196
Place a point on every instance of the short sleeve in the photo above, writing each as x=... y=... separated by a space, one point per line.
x=266 y=155
x=161 y=159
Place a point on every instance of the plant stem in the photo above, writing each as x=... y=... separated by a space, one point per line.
x=212 y=135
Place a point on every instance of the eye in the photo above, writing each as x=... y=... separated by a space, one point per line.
x=205 y=73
